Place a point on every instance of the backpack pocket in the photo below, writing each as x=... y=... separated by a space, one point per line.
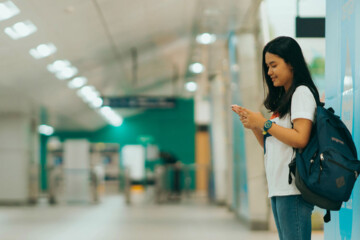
x=336 y=175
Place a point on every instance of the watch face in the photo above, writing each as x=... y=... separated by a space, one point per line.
x=268 y=124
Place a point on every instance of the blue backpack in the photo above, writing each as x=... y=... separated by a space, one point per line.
x=326 y=169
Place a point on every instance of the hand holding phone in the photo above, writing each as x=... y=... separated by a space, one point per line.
x=237 y=109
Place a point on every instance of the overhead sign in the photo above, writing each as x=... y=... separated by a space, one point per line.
x=313 y=27
x=145 y=139
x=139 y=102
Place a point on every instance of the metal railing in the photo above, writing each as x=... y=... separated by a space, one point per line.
x=171 y=182
x=57 y=184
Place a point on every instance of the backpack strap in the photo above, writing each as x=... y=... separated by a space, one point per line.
x=265 y=137
x=327 y=216
x=292 y=164
x=292 y=170
x=317 y=98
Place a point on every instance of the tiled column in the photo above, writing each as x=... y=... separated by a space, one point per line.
x=19 y=144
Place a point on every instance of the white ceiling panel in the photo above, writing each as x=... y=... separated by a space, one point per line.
x=99 y=37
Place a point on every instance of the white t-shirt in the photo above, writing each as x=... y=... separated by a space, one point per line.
x=278 y=155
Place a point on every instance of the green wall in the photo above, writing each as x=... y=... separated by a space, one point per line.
x=173 y=130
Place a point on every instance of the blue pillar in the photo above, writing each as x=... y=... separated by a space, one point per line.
x=240 y=191
x=342 y=74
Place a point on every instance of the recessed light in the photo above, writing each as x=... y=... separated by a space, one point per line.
x=196 y=68
x=43 y=50
x=58 y=65
x=66 y=73
x=191 y=86
x=20 y=30
x=46 y=130
x=206 y=38
x=77 y=82
x=7 y=10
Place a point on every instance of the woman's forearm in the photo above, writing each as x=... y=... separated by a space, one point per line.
x=297 y=137
x=292 y=136
x=259 y=136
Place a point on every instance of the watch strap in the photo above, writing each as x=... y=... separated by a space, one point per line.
x=267 y=126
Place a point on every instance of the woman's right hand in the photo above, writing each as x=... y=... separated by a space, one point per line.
x=240 y=111
x=237 y=109
x=249 y=119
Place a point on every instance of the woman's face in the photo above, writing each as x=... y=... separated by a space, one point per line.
x=279 y=71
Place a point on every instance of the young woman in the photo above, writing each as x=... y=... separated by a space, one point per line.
x=290 y=99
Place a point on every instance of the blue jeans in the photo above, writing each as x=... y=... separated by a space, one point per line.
x=292 y=217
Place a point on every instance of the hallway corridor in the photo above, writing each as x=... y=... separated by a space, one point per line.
x=113 y=220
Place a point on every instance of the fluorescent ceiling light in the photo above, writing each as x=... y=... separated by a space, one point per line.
x=88 y=93
x=191 y=86
x=206 y=38
x=196 y=68
x=7 y=10
x=77 y=82
x=91 y=96
x=58 y=66
x=96 y=103
x=45 y=130
x=43 y=50
x=86 y=90
x=67 y=73
x=113 y=118
x=62 y=69
x=20 y=30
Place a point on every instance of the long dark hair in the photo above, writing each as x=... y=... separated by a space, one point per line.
x=277 y=100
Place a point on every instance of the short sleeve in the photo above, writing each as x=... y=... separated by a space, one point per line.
x=303 y=104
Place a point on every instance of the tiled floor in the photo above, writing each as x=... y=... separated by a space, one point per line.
x=112 y=219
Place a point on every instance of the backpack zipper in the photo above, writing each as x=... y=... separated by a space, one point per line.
x=312 y=162
x=321 y=168
x=320 y=173
x=340 y=165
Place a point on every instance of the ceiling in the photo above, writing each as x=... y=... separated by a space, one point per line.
x=123 y=47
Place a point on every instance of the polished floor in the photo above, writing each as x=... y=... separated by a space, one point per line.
x=112 y=219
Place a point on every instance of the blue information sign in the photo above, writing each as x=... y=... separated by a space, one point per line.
x=139 y=102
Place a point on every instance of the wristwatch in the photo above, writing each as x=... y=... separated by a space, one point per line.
x=267 y=126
